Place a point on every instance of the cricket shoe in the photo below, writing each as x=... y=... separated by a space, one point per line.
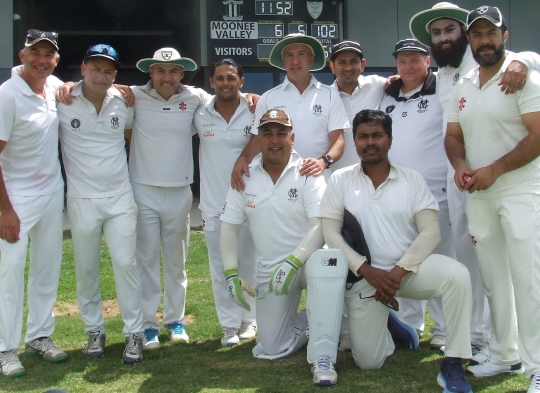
x=248 y=330
x=438 y=341
x=403 y=335
x=345 y=344
x=177 y=333
x=535 y=384
x=151 y=340
x=323 y=371
x=95 y=348
x=133 y=352
x=452 y=377
x=480 y=354
x=489 y=369
x=46 y=348
x=229 y=337
x=10 y=365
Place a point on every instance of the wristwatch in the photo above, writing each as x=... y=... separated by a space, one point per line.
x=329 y=161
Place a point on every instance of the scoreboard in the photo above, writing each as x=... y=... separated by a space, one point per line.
x=247 y=30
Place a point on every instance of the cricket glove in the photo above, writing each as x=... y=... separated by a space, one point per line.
x=284 y=275
x=237 y=286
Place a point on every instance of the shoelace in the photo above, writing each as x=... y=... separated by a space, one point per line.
x=46 y=344
x=178 y=328
x=324 y=363
x=229 y=332
x=132 y=347
x=247 y=326
x=536 y=380
x=476 y=348
x=9 y=358
x=455 y=372
x=94 y=341
x=150 y=334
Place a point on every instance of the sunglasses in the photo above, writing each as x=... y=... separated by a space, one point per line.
x=102 y=49
x=393 y=305
x=34 y=34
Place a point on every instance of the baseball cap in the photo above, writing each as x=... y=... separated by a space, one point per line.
x=346 y=45
x=493 y=14
x=419 y=23
x=275 y=116
x=319 y=61
x=409 y=45
x=33 y=36
x=102 y=50
x=167 y=56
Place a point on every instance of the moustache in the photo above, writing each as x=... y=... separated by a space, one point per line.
x=486 y=46
x=371 y=148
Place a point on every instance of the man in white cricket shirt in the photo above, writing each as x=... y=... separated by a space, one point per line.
x=31 y=202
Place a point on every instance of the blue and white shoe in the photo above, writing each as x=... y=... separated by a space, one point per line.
x=151 y=340
x=177 y=332
x=403 y=335
x=452 y=377
x=324 y=373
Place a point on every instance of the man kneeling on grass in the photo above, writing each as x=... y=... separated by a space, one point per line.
x=398 y=214
x=282 y=208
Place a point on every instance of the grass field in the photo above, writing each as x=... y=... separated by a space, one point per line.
x=205 y=366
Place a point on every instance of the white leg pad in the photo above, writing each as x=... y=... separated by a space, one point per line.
x=326 y=271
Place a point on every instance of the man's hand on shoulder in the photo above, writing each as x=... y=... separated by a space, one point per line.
x=63 y=93
x=313 y=167
x=252 y=100
x=514 y=77
x=127 y=93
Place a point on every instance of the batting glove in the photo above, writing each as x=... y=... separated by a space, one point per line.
x=237 y=286
x=284 y=275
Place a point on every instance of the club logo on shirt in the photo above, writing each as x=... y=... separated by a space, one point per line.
x=462 y=102
x=317 y=110
x=208 y=132
x=423 y=105
x=75 y=124
x=293 y=195
x=250 y=201
x=390 y=109
x=403 y=114
x=182 y=106
x=456 y=77
x=247 y=131
x=115 y=122
x=329 y=262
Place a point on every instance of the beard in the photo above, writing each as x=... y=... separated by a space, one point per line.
x=494 y=59
x=451 y=56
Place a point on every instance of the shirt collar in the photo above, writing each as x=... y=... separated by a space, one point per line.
x=21 y=84
x=474 y=75
x=362 y=81
x=111 y=92
x=312 y=82
x=294 y=160
x=391 y=175
x=211 y=106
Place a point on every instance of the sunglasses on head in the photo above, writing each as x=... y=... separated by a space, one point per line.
x=34 y=34
x=102 y=49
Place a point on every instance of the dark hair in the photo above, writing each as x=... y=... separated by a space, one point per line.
x=372 y=116
x=239 y=69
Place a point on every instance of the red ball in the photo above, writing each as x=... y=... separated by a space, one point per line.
x=466 y=179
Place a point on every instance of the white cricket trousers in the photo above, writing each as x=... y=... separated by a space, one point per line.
x=413 y=311
x=163 y=222
x=229 y=313
x=507 y=234
x=115 y=218
x=41 y=223
x=480 y=323
x=437 y=276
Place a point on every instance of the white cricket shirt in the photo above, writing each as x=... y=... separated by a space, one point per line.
x=29 y=125
x=161 y=148
x=386 y=214
x=278 y=214
x=220 y=145
x=492 y=126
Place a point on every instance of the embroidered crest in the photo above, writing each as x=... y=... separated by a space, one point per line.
x=167 y=54
x=115 y=122
x=75 y=124
x=317 y=110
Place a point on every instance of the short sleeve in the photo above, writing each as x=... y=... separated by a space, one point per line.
x=529 y=97
x=424 y=199
x=313 y=192
x=453 y=112
x=338 y=119
x=130 y=116
x=233 y=209
x=260 y=110
x=7 y=114
x=333 y=201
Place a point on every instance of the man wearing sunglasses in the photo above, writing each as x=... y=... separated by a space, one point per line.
x=398 y=214
x=31 y=202
x=100 y=198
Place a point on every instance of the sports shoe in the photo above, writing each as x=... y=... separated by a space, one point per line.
x=96 y=344
x=403 y=335
x=345 y=344
x=437 y=341
x=480 y=354
x=323 y=371
x=452 y=377
x=177 y=333
x=151 y=340
x=488 y=369
x=10 y=365
x=133 y=353
x=248 y=330
x=46 y=348
x=229 y=337
x=535 y=384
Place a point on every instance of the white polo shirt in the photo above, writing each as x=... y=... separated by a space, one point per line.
x=160 y=151
x=220 y=145
x=278 y=214
x=367 y=95
x=492 y=127
x=418 y=142
x=93 y=145
x=386 y=214
x=29 y=125
x=314 y=113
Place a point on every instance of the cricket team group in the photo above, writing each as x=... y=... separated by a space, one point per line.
x=374 y=194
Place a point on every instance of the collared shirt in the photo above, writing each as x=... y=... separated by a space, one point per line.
x=161 y=148
x=386 y=214
x=367 y=95
x=29 y=125
x=278 y=214
x=492 y=127
x=93 y=145
x=220 y=145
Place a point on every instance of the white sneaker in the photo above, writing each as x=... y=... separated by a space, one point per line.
x=480 y=354
x=345 y=344
x=177 y=333
x=489 y=369
x=229 y=337
x=10 y=365
x=248 y=330
x=323 y=371
x=437 y=341
x=46 y=348
x=535 y=384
